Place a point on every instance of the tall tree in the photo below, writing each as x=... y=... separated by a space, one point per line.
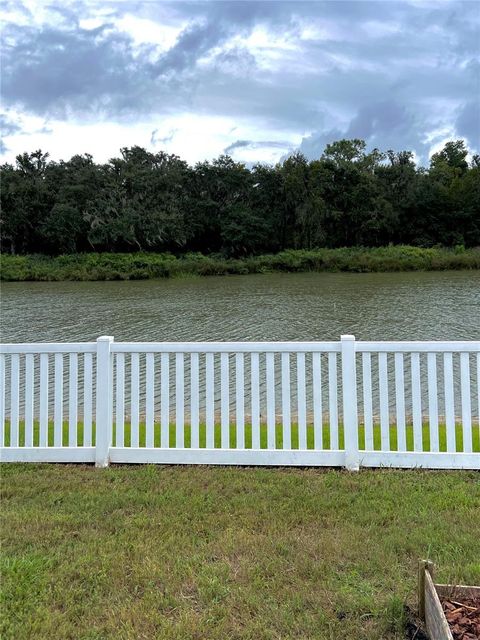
x=156 y=202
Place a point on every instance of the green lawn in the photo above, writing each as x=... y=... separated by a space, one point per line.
x=200 y=552
x=263 y=436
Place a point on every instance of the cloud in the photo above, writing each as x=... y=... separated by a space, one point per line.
x=53 y=71
x=155 y=140
x=194 y=42
x=390 y=125
x=254 y=144
x=468 y=123
x=8 y=126
x=394 y=73
x=385 y=125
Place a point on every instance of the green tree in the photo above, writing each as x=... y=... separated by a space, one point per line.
x=25 y=201
x=155 y=201
x=141 y=202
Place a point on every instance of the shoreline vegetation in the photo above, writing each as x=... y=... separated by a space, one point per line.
x=144 y=266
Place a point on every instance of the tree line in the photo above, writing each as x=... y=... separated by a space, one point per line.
x=144 y=201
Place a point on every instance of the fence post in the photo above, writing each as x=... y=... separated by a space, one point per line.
x=349 y=395
x=104 y=401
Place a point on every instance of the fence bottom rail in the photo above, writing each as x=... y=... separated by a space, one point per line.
x=47 y=454
x=246 y=457
x=240 y=457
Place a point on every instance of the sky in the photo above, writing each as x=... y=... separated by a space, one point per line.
x=255 y=80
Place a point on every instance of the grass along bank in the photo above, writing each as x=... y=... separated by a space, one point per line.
x=262 y=434
x=214 y=553
x=141 y=266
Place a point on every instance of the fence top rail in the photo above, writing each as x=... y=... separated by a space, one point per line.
x=452 y=346
x=49 y=347
x=225 y=347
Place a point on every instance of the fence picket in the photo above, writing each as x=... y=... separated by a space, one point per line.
x=88 y=400
x=149 y=399
x=367 y=400
x=432 y=401
x=270 y=374
x=466 y=403
x=179 y=401
x=478 y=393
x=383 y=399
x=225 y=401
x=194 y=402
x=240 y=399
x=317 y=401
x=286 y=417
x=14 y=400
x=333 y=400
x=165 y=400
x=29 y=398
x=43 y=435
x=58 y=409
x=416 y=402
x=73 y=400
x=134 y=400
x=301 y=402
x=255 y=391
x=210 y=400
x=449 y=401
x=120 y=400
x=400 y=402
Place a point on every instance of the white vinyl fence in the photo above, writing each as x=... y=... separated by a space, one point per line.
x=345 y=403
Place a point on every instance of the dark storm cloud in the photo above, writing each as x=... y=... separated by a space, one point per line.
x=468 y=122
x=385 y=125
x=56 y=69
x=155 y=140
x=374 y=70
x=51 y=70
x=255 y=144
x=192 y=44
x=45 y=64
x=239 y=144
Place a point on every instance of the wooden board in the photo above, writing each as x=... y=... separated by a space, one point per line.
x=435 y=621
x=457 y=592
x=429 y=606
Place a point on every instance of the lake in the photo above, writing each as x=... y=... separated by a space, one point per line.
x=304 y=306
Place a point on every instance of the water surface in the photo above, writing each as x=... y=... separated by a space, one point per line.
x=306 y=306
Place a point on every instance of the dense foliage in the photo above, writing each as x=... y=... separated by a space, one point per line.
x=157 y=202
x=142 y=266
